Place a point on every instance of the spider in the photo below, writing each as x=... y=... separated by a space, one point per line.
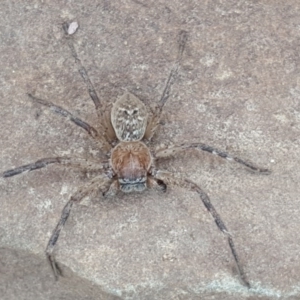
x=123 y=135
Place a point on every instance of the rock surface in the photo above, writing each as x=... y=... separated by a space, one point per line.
x=238 y=89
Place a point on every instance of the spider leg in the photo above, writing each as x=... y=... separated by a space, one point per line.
x=165 y=153
x=63 y=112
x=182 y=39
x=98 y=183
x=87 y=165
x=83 y=72
x=154 y=121
x=113 y=189
x=103 y=112
x=169 y=178
x=156 y=184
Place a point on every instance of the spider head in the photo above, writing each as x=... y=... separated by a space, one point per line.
x=131 y=162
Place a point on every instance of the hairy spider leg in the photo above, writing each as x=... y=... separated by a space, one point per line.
x=155 y=119
x=169 y=178
x=101 y=183
x=103 y=111
x=171 y=151
x=100 y=138
x=83 y=164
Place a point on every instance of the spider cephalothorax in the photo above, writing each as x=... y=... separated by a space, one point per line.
x=131 y=165
x=131 y=162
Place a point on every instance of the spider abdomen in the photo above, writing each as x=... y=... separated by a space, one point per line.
x=131 y=162
x=129 y=118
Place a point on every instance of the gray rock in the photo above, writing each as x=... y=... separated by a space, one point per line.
x=238 y=90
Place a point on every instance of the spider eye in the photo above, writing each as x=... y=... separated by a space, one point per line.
x=125 y=113
x=135 y=111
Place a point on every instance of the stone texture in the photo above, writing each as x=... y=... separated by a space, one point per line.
x=238 y=89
